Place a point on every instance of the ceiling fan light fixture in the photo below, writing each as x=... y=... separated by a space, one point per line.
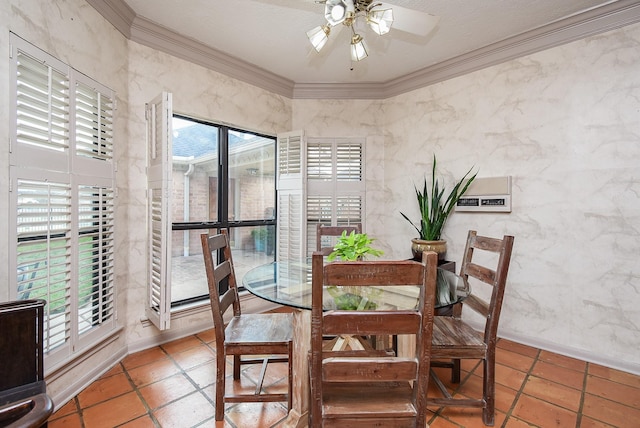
x=318 y=36
x=358 y=48
x=380 y=20
x=336 y=11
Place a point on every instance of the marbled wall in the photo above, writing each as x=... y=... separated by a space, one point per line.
x=565 y=124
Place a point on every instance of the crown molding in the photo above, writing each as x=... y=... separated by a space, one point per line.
x=613 y=15
x=117 y=12
x=158 y=37
x=576 y=27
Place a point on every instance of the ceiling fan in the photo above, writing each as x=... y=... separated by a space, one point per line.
x=380 y=16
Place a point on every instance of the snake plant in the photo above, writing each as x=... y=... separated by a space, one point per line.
x=434 y=206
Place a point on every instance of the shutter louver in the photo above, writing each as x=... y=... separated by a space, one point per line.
x=349 y=162
x=291 y=197
x=157 y=276
x=95 y=256
x=348 y=209
x=319 y=210
x=159 y=114
x=290 y=209
x=290 y=155
x=94 y=123
x=44 y=253
x=335 y=185
x=42 y=105
x=319 y=161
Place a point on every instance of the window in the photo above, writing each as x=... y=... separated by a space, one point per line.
x=62 y=199
x=319 y=181
x=248 y=177
x=216 y=177
x=335 y=184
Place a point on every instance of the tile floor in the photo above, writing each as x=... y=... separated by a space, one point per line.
x=172 y=386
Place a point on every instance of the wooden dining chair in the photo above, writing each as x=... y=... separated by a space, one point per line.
x=248 y=335
x=333 y=231
x=354 y=388
x=454 y=339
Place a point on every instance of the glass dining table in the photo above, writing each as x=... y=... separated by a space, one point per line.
x=289 y=283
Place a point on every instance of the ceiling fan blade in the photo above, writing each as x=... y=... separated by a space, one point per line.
x=411 y=20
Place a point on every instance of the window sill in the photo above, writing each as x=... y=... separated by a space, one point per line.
x=250 y=304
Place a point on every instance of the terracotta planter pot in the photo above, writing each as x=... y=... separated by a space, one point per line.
x=420 y=245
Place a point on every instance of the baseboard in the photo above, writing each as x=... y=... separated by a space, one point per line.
x=250 y=304
x=81 y=382
x=568 y=351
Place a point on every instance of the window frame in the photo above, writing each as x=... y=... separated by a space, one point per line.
x=223 y=221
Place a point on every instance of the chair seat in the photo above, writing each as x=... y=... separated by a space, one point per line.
x=262 y=330
x=368 y=400
x=452 y=336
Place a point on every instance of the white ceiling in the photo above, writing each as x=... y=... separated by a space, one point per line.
x=270 y=35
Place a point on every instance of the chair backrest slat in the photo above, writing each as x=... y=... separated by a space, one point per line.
x=399 y=273
x=226 y=300
x=335 y=231
x=371 y=322
x=487 y=243
x=482 y=273
x=478 y=305
x=369 y=369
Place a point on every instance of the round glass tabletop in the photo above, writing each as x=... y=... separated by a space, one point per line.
x=289 y=283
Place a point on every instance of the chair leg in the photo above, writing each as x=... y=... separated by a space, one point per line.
x=263 y=371
x=220 y=385
x=290 y=392
x=236 y=367
x=455 y=371
x=489 y=391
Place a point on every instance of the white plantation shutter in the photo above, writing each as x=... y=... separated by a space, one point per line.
x=319 y=161
x=42 y=105
x=159 y=115
x=335 y=184
x=291 y=183
x=290 y=225
x=44 y=246
x=348 y=209
x=349 y=164
x=62 y=199
x=94 y=123
x=96 y=277
x=319 y=210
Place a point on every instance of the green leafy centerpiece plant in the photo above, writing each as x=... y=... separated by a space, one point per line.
x=435 y=207
x=352 y=247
